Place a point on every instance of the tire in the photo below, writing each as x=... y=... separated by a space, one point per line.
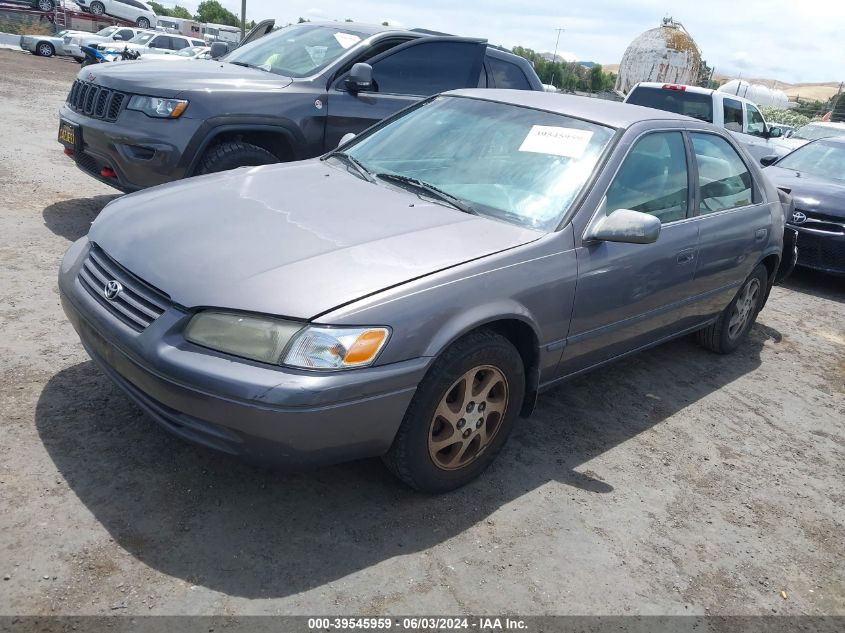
x=433 y=454
x=97 y=8
x=233 y=154
x=44 y=5
x=728 y=331
x=143 y=23
x=44 y=49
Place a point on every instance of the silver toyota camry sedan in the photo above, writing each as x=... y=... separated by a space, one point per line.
x=410 y=294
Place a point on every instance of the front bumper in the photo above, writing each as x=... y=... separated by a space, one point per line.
x=267 y=414
x=142 y=151
x=821 y=250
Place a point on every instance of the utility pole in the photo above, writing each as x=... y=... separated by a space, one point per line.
x=243 y=19
x=554 y=57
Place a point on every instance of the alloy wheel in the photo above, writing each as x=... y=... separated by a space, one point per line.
x=45 y=50
x=45 y=5
x=144 y=23
x=745 y=304
x=468 y=417
x=97 y=8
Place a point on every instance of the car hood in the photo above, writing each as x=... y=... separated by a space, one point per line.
x=163 y=79
x=810 y=192
x=292 y=240
x=788 y=144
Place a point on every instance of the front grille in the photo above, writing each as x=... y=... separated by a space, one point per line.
x=95 y=101
x=137 y=305
x=820 y=251
x=819 y=221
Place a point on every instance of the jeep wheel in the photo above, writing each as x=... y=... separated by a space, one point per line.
x=143 y=23
x=730 y=329
x=234 y=154
x=45 y=49
x=97 y=8
x=461 y=415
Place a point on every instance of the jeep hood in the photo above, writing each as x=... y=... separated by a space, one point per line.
x=165 y=79
x=292 y=240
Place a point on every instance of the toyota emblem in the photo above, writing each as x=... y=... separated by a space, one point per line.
x=799 y=217
x=91 y=77
x=112 y=289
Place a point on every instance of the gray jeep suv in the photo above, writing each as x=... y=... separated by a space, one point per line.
x=287 y=96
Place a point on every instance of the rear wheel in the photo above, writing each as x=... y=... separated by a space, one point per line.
x=461 y=415
x=44 y=5
x=143 y=23
x=45 y=49
x=233 y=154
x=730 y=329
x=97 y=8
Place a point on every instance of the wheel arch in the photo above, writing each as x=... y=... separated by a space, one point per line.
x=277 y=139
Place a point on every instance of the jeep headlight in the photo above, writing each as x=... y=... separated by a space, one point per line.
x=281 y=342
x=158 y=107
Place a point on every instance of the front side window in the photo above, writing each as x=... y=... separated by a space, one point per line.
x=515 y=164
x=756 y=124
x=733 y=115
x=722 y=175
x=428 y=68
x=126 y=34
x=106 y=31
x=296 y=51
x=162 y=41
x=653 y=179
x=142 y=38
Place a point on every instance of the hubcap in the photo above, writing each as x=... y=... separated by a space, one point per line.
x=455 y=441
x=743 y=308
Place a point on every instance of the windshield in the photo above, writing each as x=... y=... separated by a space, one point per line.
x=107 y=31
x=143 y=38
x=694 y=104
x=812 y=132
x=817 y=159
x=296 y=51
x=517 y=164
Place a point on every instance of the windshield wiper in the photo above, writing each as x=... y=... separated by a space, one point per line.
x=458 y=203
x=246 y=65
x=351 y=160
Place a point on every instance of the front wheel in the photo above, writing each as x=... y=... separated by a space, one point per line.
x=45 y=49
x=97 y=8
x=44 y=5
x=143 y=23
x=461 y=415
x=731 y=328
x=233 y=154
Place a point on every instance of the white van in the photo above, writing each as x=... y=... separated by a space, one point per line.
x=739 y=116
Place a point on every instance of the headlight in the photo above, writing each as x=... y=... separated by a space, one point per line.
x=158 y=107
x=318 y=347
x=259 y=338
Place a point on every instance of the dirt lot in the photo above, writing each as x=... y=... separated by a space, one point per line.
x=674 y=482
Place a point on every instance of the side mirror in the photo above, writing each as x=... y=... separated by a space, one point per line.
x=769 y=160
x=218 y=49
x=346 y=138
x=775 y=132
x=624 y=225
x=360 y=78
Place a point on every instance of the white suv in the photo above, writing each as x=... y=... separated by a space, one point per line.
x=131 y=10
x=740 y=117
x=155 y=42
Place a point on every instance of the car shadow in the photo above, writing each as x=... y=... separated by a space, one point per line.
x=234 y=528
x=817 y=284
x=71 y=219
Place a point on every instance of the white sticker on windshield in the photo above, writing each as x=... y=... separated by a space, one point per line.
x=346 y=40
x=557 y=141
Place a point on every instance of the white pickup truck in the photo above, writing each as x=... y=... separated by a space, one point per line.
x=741 y=117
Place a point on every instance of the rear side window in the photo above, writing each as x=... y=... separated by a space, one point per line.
x=428 y=68
x=733 y=115
x=507 y=75
x=722 y=175
x=653 y=179
x=694 y=104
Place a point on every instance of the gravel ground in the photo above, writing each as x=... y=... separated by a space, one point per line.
x=674 y=482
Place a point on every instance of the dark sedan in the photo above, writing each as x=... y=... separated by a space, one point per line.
x=815 y=176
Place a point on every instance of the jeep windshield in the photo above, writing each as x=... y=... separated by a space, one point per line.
x=296 y=51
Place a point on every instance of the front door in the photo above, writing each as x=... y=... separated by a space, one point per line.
x=402 y=76
x=630 y=295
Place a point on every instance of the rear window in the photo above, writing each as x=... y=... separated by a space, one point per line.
x=692 y=104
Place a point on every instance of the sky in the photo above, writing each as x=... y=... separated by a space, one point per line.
x=786 y=40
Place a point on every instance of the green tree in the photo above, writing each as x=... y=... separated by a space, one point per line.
x=214 y=12
x=181 y=12
x=302 y=21
x=838 y=115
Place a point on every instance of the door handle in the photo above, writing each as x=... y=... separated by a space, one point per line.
x=686 y=256
x=760 y=235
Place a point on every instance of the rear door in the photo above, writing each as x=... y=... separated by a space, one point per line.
x=401 y=76
x=631 y=295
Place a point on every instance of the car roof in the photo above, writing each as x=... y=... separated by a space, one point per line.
x=602 y=111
